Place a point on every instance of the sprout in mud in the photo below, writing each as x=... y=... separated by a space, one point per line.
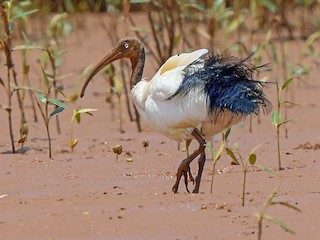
x=145 y=144
x=117 y=149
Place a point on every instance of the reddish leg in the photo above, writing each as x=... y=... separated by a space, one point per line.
x=184 y=167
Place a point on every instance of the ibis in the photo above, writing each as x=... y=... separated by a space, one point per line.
x=192 y=96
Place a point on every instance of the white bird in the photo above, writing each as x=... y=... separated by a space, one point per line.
x=192 y=95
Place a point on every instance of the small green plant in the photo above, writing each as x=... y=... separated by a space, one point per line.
x=129 y=157
x=215 y=156
x=261 y=214
x=8 y=17
x=276 y=118
x=145 y=145
x=77 y=116
x=43 y=100
x=117 y=149
x=250 y=162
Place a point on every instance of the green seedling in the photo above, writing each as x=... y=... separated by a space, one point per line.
x=129 y=157
x=215 y=156
x=77 y=116
x=261 y=215
x=276 y=118
x=43 y=100
x=145 y=145
x=117 y=149
x=52 y=56
x=250 y=162
x=8 y=18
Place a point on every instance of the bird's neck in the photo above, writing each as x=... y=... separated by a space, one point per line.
x=137 y=68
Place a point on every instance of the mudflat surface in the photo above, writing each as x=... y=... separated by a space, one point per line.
x=88 y=194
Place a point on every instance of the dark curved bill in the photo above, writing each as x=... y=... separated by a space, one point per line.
x=112 y=56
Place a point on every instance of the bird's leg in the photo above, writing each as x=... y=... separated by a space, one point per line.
x=191 y=178
x=184 y=167
x=201 y=163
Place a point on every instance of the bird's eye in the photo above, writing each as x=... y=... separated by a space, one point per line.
x=126 y=45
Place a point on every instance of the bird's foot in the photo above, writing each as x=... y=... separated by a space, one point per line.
x=185 y=171
x=197 y=186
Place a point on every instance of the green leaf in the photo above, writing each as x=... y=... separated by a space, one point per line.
x=286 y=204
x=23 y=14
x=252 y=158
x=73 y=142
x=87 y=110
x=56 y=19
x=46 y=79
x=76 y=113
x=286 y=83
x=78 y=117
x=58 y=103
x=255 y=148
x=86 y=71
x=27 y=47
x=227 y=133
x=33 y=89
x=274 y=51
x=56 y=111
x=264 y=168
x=275 y=118
x=236 y=147
x=211 y=150
x=219 y=152
x=140 y=1
x=233 y=157
x=312 y=37
x=118 y=84
x=204 y=33
x=269 y=5
x=280 y=223
x=42 y=97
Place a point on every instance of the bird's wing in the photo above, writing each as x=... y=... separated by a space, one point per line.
x=170 y=75
x=227 y=82
x=183 y=59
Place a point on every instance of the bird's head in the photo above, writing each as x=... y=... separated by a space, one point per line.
x=128 y=47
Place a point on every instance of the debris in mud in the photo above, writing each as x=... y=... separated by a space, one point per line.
x=308 y=146
x=216 y=206
x=3 y=195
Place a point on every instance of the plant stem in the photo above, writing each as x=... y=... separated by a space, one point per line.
x=279 y=96
x=260 y=227
x=213 y=172
x=47 y=128
x=71 y=136
x=7 y=45
x=53 y=67
x=49 y=139
x=120 y=114
x=278 y=147
x=244 y=185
